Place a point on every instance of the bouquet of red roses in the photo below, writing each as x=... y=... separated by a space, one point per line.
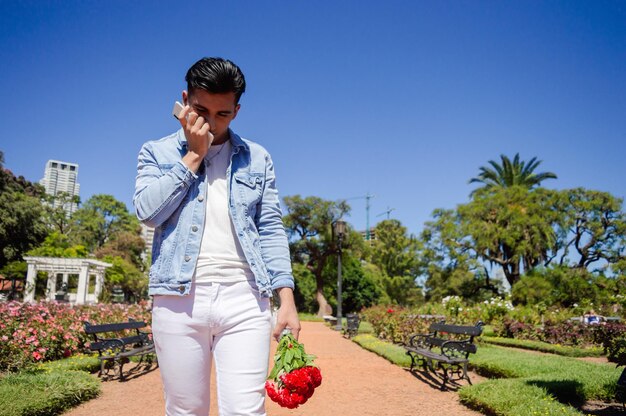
x=294 y=376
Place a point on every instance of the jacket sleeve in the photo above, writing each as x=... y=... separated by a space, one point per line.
x=158 y=194
x=273 y=238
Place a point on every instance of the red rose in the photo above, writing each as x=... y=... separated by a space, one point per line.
x=315 y=374
x=293 y=379
x=298 y=381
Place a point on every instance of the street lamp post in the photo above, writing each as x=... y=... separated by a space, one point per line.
x=340 y=230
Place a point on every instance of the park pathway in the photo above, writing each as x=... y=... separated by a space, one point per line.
x=356 y=382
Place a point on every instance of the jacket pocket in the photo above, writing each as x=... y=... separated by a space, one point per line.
x=250 y=179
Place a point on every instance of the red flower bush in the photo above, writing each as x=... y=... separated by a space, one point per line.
x=294 y=378
x=36 y=332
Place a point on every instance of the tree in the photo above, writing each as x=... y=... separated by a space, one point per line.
x=99 y=219
x=22 y=225
x=309 y=226
x=58 y=245
x=560 y=285
x=510 y=227
x=520 y=229
x=305 y=290
x=358 y=289
x=57 y=215
x=124 y=274
x=452 y=265
x=511 y=173
x=395 y=253
x=127 y=245
x=393 y=250
x=596 y=227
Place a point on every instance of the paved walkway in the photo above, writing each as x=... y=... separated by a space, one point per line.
x=355 y=383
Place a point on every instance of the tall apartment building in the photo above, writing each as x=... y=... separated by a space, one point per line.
x=372 y=234
x=61 y=177
x=147 y=233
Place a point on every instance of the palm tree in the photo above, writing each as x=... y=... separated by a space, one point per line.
x=509 y=174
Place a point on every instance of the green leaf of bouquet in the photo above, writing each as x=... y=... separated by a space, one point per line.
x=289 y=356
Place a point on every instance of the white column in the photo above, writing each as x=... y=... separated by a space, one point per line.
x=83 y=277
x=99 y=283
x=66 y=278
x=31 y=277
x=51 y=286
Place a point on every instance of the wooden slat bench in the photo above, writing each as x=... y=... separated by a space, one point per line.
x=117 y=351
x=448 y=345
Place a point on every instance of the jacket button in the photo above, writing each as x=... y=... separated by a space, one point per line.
x=187 y=258
x=181 y=289
x=194 y=228
x=200 y=198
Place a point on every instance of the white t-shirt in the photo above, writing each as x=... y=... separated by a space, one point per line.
x=221 y=258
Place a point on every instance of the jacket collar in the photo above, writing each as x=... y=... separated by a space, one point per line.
x=235 y=140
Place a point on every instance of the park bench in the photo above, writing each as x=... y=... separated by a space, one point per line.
x=448 y=345
x=117 y=342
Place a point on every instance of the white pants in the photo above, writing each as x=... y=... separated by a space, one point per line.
x=227 y=321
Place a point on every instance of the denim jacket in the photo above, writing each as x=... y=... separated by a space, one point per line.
x=171 y=198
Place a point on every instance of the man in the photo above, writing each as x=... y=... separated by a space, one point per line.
x=219 y=250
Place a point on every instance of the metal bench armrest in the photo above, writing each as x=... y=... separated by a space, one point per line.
x=457 y=349
x=420 y=340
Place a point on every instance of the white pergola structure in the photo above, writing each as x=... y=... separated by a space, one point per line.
x=86 y=269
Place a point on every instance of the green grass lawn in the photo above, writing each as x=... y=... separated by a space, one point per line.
x=309 y=317
x=49 y=388
x=523 y=383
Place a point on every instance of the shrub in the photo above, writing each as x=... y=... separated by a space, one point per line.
x=616 y=350
x=395 y=323
x=544 y=347
x=609 y=336
x=34 y=333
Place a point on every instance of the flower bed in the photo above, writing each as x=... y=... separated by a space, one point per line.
x=33 y=333
x=611 y=337
x=397 y=324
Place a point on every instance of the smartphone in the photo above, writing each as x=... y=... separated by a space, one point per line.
x=178 y=107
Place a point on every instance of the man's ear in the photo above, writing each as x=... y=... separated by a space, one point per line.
x=185 y=97
x=237 y=107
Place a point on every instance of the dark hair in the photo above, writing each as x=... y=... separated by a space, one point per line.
x=217 y=76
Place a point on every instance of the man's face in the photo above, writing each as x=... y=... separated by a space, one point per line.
x=217 y=109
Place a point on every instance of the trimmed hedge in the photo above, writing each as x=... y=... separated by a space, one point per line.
x=543 y=347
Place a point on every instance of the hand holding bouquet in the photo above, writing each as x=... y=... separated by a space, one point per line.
x=294 y=376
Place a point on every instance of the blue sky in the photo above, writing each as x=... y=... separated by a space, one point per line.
x=402 y=99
